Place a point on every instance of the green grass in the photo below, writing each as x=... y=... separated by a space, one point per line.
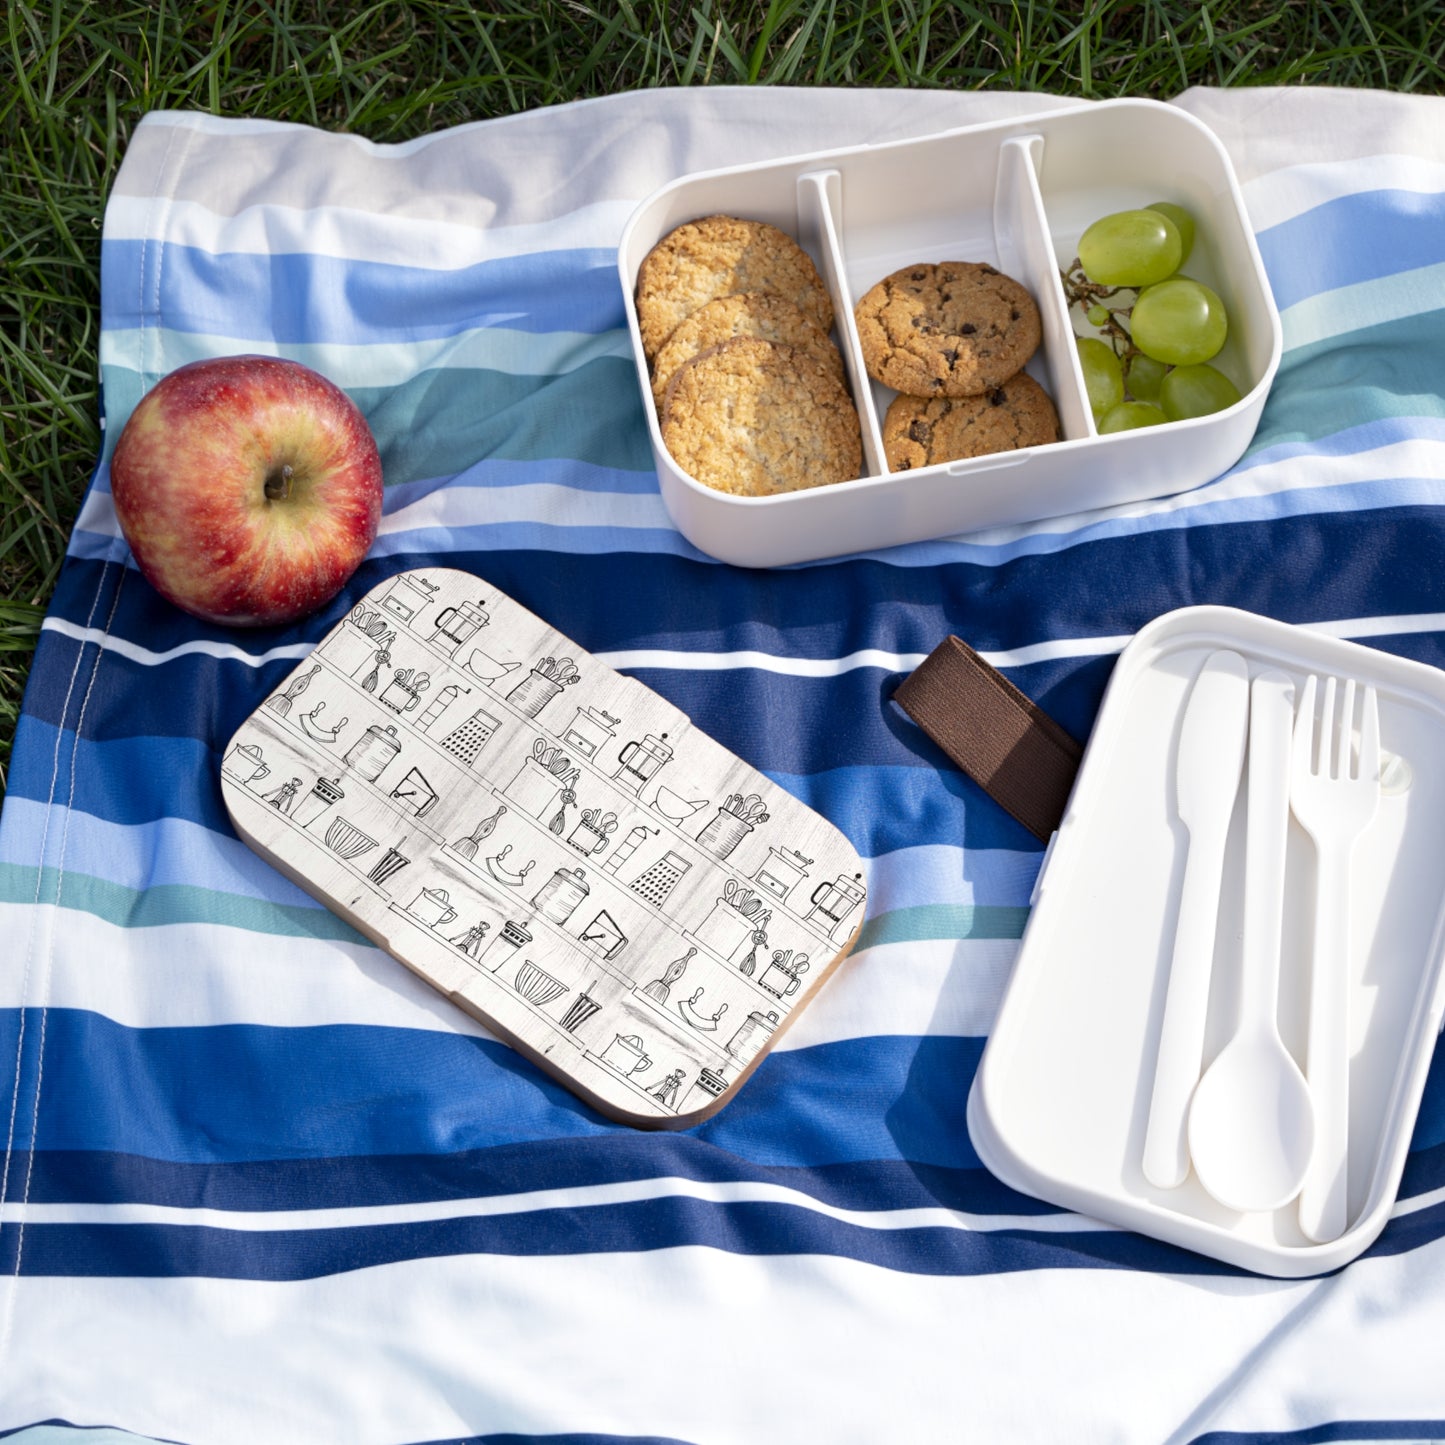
x=75 y=78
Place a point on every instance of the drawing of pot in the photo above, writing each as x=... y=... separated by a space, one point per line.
x=244 y=764
x=752 y=1035
x=627 y=1055
x=433 y=907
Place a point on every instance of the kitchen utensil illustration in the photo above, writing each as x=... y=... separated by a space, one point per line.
x=627 y=1055
x=470 y=941
x=433 y=907
x=706 y=1087
x=514 y=935
x=781 y=871
x=281 y=703
x=546 y=679
x=759 y=940
x=496 y=865
x=547 y=772
x=627 y=848
x=561 y=893
x=558 y=822
x=415 y=794
x=1207 y=770
x=660 y=988
x=391 y=862
x=656 y=882
x=355 y=645
x=346 y=840
x=408 y=595
x=784 y=973
x=535 y=986
x=674 y=807
x=593 y=831
x=282 y=798
x=325 y=793
x=692 y=1014
x=752 y=1034
x=734 y=916
x=590 y=731
x=580 y=1009
x=735 y=819
x=370 y=754
x=1334 y=795
x=456 y=625
x=603 y=936
x=1251 y=1121
x=467 y=847
x=244 y=763
x=313 y=727
x=439 y=705
x=379 y=659
x=640 y=761
x=833 y=902
x=488 y=668
x=404 y=690
x=666 y=1092
x=470 y=736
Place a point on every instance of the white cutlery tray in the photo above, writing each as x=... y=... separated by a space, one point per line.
x=1060 y=1104
x=1016 y=195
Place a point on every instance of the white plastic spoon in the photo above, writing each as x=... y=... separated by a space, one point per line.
x=1211 y=754
x=1251 y=1121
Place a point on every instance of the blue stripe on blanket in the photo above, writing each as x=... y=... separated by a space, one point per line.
x=299 y=297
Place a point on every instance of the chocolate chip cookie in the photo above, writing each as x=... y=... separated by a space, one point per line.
x=956 y=328
x=717 y=256
x=918 y=432
x=750 y=313
x=755 y=418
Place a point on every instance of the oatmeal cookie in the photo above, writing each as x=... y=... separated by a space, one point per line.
x=717 y=256
x=956 y=328
x=749 y=313
x=755 y=418
x=918 y=432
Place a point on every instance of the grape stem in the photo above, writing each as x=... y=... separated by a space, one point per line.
x=1085 y=294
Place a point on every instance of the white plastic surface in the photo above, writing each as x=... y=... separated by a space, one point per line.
x=1060 y=1105
x=1015 y=195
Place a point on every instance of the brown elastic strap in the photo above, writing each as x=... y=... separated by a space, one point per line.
x=1009 y=746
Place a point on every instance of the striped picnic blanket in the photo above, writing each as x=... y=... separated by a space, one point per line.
x=261 y=1184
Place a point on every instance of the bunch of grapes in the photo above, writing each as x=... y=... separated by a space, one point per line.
x=1161 y=332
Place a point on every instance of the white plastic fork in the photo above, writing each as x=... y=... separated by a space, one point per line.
x=1334 y=796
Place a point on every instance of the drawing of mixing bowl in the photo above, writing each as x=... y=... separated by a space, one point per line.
x=535 y=986
x=346 y=840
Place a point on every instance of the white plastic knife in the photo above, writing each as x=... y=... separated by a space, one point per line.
x=1211 y=758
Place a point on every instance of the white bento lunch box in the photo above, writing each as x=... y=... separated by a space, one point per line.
x=1016 y=195
x=1060 y=1104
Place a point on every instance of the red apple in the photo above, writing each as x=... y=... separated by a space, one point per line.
x=249 y=489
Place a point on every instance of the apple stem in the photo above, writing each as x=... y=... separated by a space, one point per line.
x=278 y=484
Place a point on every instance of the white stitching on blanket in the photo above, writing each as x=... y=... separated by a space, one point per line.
x=164 y=192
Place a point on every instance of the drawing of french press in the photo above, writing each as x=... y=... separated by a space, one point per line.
x=639 y=762
x=833 y=902
x=457 y=625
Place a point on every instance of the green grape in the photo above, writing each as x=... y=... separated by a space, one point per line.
x=1196 y=391
x=1183 y=223
x=1098 y=315
x=1129 y=415
x=1103 y=376
x=1144 y=377
x=1130 y=248
x=1179 y=322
